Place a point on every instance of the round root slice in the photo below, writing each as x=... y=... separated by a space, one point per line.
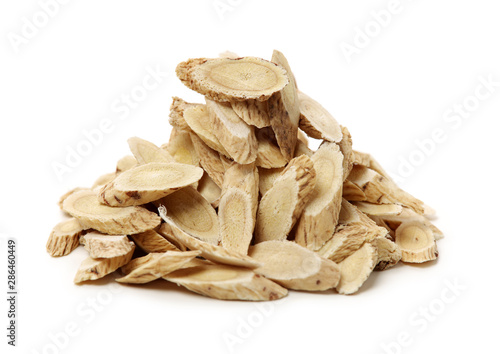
x=153 y=242
x=125 y=163
x=227 y=283
x=92 y=269
x=416 y=242
x=147 y=183
x=154 y=266
x=147 y=152
x=294 y=266
x=388 y=252
x=91 y=214
x=253 y=112
x=225 y=79
x=316 y=121
x=64 y=238
x=355 y=269
x=379 y=209
x=106 y=246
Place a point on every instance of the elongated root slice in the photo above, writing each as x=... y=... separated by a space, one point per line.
x=282 y=205
x=181 y=148
x=166 y=231
x=407 y=214
x=193 y=214
x=321 y=213
x=253 y=112
x=268 y=154
x=379 y=209
x=153 y=242
x=154 y=266
x=238 y=207
x=176 y=115
x=147 y=152
x=92 y=269
x=380 y=190
x=388 y=253
x=225 y=79
x=367 y=160
x=208 y=251
x=125 y=163
x=147 y=183
x=91 y=214
x=209 y=160
x=355 y=269
x=346 y=149
x=316 y=121
x=209 y=190
x=353 y=230
x=416 y=242
x=294 y=266
x=227 y=283
x=352 y=192
x=64 y=238
x=236 y=136
x=106 y=246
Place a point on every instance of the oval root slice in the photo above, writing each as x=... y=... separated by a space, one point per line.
x=64 y=238
x=355 y=269
x=106 y=246
x=316 y=121
x=416 y=242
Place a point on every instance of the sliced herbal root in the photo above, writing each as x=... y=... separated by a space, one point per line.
x=355 y=269
x=125 y=163
x=64 y=238
x=268 y=154
x=147 y=183
x=367 y=160
x=316 y=122
x=407 y=214
x=381 y=190
x=227 y=283
x=166 y=231
x=282 y=205
x=67 y=194
x=237 y=137
x=294 y=266
x=152 y=242
x=176 y=116
x=209 y=160
x=352 y=192
x=267 y=177
x=302 y=138
x=346 y=149
x=416 y=242
x=147 y=152
x=225 y=79
x=321 y=213
x=91 y=214
x=302 y=149
x=381 y=222
x=106 y=246
x=208 y=251
x=181 y=148
x=209 y=190
x=379 y=209
x=253 y=112
x=92 y=269
x=388 y=253
x=238 y=207
x=154 y=266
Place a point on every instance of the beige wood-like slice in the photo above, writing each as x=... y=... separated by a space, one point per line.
x=92 y=269
x=267 y=177
x=367 y=160
x=166 y=231
x=321 y=213
x=100 y=245
x=146 y=152
x=238 y=207
x=152 y=241
x=253 y=112
x=352 y=192
x=282 y=205
x=346 y=149
x=302 y=149
x=64 y=238
x=301 y=136
x=209 y=160
x=225 y=79
x=147 y=183
x=381 y=222
x=295 y=267
x=416 y=242
x=63 y=197
x=388 y=253
x=125 y=163
x=176 y=115
x=181 y=148
x=102 y=180
x=227 y=283
x=226 y=162
x=408 y=214
x=355 y=269
x=209 y=190
x=268 y=153
x=84 y=206
x=379 y=209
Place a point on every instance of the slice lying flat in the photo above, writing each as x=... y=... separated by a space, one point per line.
x=316 y=121
x=64 y=238
x=355 y=269
x=106 y=246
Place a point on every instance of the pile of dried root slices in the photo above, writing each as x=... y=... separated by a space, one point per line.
x=236 y=206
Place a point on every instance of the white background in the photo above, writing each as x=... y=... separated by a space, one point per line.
x=395 y=90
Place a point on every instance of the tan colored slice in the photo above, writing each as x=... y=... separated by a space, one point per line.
x=91 y=214
x=176 y=116
x=267 y=177
x=379 y=209
x=126 y=163
x=355 y=269
x=147 y=183
x=302 y=137
x=367 y=160
x=346 y=149
x=416 y=242
x=408 y=214
x=321 y=213
x=282 y=205
x=253 y=112
x=302 y=149
x=102 y=180
x=153 y=242
x=225 y=79
x=238 y=207
x=388 y=253
x=181 y=148
x=294 y=266
x=209 y=160
x=209 y=190
x=352 y=192
x=147 y=152
x=268 y=154
x=227 y=283
x=316 y=121
x=64 y=238
x=106 y=246
x=63 y=197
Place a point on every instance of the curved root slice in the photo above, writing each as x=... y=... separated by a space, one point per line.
x=64 y=238
x=209 y=160
x=253 y=112
x=91 y=214
x=302 y=149
x=147 y=152
x=181 y=148
x=316 y=122
x=209 y=190
x=106 y=246
x=416 y=242
x=379 y=209
x=225 y=79
x=153 y=242
x=147 y=183
x=154 y=266
x=367 y=160
x=227 y=283
x=294 y=266
x=355 y=269
x=388 y=252
x=125 y=163
x=166 y=231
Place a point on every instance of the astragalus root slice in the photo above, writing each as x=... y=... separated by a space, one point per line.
x=253 y=112
x=84 y=206
x=147 y=152
x=236 y=136
x=209 y=160
x=316 y=122
x=209 y=190
x=125 y=163
x=63 y=197
x=106 y=246
x=181 y=148
x=282 y=205
x=238 y=207
x=367 y=160
x=147 y=183
x=294 y=266
x=267 y=177
x=227 y=283
x=355 y=269
x=102 y=180
x=388 y=253
x=176 y=115
x=166 y=231
x=407 y=214
x=64 y=238
x=321 y=213
x=346 y=149
x=154 y=266
x=152 y=242
x=268 y=154
x=239 y=79
x=416 y=242
x=208 y=251
x=379 y=209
